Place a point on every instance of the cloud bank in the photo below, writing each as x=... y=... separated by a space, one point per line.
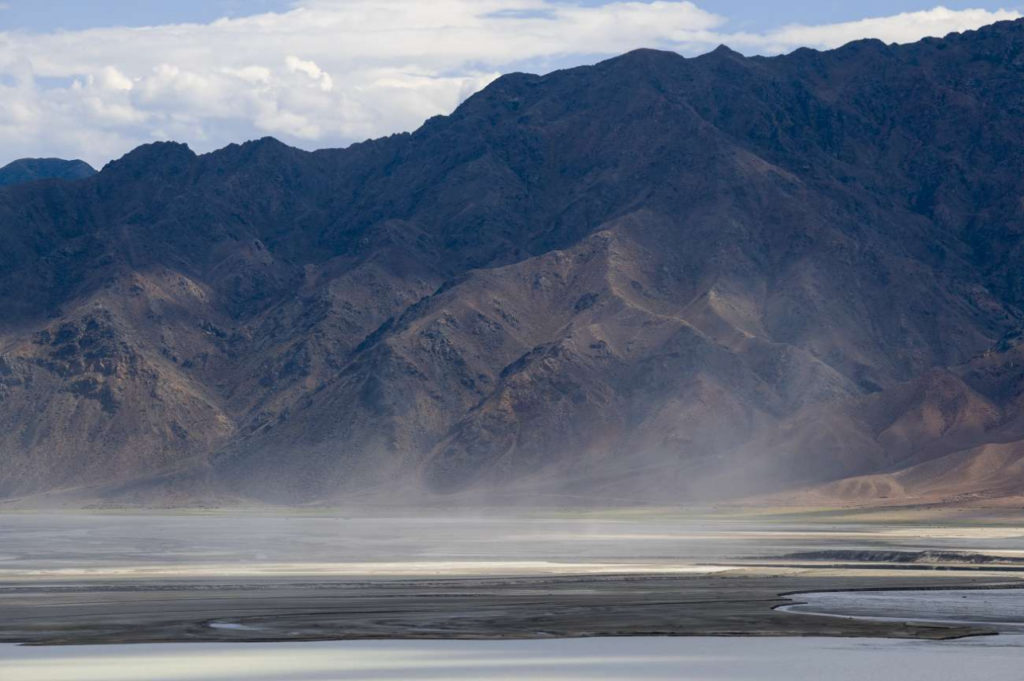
x=329 y=72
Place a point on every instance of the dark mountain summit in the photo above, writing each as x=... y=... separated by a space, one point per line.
x=655 y=277
x=31 y=169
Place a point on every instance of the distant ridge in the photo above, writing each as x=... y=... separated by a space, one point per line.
x=30 y=169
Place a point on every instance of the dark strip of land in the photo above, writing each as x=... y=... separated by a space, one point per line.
x=738 y=603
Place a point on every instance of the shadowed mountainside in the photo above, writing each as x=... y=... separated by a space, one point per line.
x=653 y=278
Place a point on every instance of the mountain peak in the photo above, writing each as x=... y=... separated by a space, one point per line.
x=155 y=158
x=865 y=45
x=266 y=142
x=647 y=56
x=723 y=50
x=264 y=147
x=31 y=169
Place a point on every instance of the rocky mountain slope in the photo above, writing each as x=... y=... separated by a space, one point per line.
x=30 y=169
x=653 y=278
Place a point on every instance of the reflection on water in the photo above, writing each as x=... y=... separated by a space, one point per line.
x=625 y=659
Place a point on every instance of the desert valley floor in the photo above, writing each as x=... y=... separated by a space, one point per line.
x=186 y=577
x=215 y=595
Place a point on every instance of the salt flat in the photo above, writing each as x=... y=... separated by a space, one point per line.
x=80 y=545
x=1001 y=608
x=622 y=659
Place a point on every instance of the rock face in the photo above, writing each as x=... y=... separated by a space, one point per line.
x=653 y=278
x=31 y=169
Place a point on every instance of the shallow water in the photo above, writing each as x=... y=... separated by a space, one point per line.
x=625 y=659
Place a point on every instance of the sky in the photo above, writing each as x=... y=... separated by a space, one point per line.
x=92 y=79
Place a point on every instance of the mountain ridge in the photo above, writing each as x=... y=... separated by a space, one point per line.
x=656 y=277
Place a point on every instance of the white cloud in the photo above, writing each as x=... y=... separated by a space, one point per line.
x=900 y=28
x=110 y=78
x=310 y=68
x=329 y=72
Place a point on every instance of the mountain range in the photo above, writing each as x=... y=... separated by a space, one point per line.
x=654 y=278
